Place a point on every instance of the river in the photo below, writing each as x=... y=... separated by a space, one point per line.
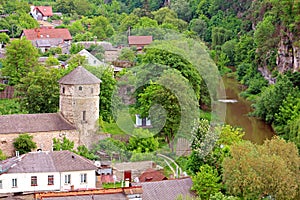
x=236 y=114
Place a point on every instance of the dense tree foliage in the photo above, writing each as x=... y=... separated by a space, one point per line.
x=255 y=171
x=21 y=58
x=24 y=143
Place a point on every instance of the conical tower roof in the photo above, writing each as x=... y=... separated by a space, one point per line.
x=79 y=76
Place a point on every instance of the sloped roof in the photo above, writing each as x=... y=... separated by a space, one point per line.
x=31 y=123
x=54 y=161
x=135 y=40
x=47 y=33
x=166 y=190
x=152 y=175
x=116 y=196
x=79 y=76
x=45 y=10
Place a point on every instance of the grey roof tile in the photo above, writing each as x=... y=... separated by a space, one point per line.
x=79 y=76
x=31 y=123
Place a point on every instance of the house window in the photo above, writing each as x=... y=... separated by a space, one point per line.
x=68 y=179
x=80 y=88
x=63 y=90
x=34 y=181
x=84 y=115
x=14 y=182
x=50 y=180
x=92 y=90
x=95 y=61
x=1 y=184
x=83 y=178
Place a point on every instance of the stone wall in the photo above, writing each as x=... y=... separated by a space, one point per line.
x=42 y=139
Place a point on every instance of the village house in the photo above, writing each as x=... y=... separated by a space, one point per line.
x=45 y=38
x=139 y=41
x=76 y=120
x=91 y=59
x=41 y=12
x=46 y=171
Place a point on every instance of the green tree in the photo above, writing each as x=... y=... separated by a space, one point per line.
x=206 y=182
x=64 y=144
x=39 y=90
x=4 y=38
x=101 y=28
x=83 y=151
x=142 y=141
x=24 y=143
x=173 y=93
x=270 y=100
x=51 y=61
x=21 y=57
x=2 y=155
x=127 y=54
x=256 y=171
x=183 y=9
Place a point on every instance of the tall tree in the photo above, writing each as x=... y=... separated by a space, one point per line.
x=39 y=90
x=21 y=57
x=256 y=171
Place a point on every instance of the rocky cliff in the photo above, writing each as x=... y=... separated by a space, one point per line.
x=288 y=57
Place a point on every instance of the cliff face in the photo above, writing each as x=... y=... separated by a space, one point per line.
x=288 y=57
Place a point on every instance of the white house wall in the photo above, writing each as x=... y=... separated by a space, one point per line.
x=75 y=180
x=24 y=181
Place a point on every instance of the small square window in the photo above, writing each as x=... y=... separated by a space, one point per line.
x=50 y=180
x=80 y=88
x=34 y=181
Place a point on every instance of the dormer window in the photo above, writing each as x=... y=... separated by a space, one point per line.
x=80 y=88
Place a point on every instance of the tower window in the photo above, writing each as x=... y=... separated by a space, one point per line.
x=84 y=115
x=63 y=90
x=80 y=88
x=92 y=90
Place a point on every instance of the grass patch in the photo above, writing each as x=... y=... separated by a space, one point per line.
x=111 y=185
x=111 y=128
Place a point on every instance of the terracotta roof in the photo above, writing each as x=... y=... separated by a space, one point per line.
x=47 y=33
x=81 y=76
x=45 y=10
x=54 y=161
x=135 y=40
x=152 y=175
x=31 y=123
x=166 y=190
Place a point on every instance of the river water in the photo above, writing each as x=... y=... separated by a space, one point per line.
x=237 y=109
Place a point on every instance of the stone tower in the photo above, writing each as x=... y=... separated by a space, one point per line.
x=79 y=102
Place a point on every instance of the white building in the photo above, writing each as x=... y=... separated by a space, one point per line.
x=46 y=171
x=91 y=60
x=142 y=122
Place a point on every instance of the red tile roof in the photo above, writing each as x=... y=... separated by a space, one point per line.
x=45 y=10
x=44 y=33
x=139 y=40
x=152 y=175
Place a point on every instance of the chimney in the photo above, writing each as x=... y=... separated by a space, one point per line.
x=17 y=154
